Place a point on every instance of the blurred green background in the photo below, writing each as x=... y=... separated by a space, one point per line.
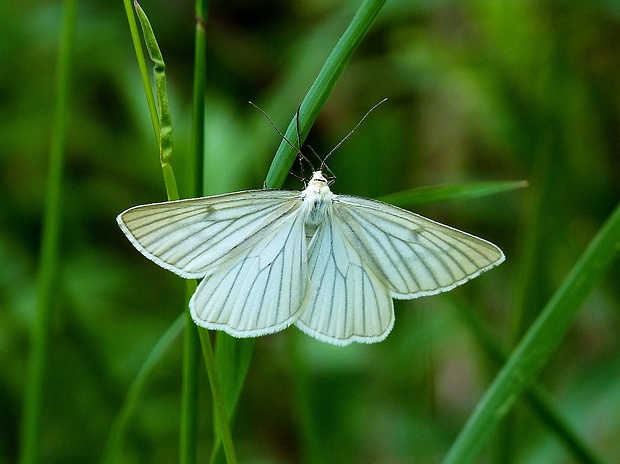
x=477 y=90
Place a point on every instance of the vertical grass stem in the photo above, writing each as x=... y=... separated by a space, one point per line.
x=48 y=260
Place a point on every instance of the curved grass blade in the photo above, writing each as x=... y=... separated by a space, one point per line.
x=446 y=192
x=536 y=396
x=320 y=90
x=539 y=341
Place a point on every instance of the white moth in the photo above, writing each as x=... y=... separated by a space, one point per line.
x=330 y=264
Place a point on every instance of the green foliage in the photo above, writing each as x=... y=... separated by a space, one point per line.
x=480 y=95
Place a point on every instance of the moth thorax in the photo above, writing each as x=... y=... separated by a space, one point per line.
x=316 y=205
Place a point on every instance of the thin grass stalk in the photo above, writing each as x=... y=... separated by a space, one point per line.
x=232 y=358
x=190 y=385
x=537 y=344
x=132 y=400
x=198 y=336
x=199 y=92
x=188 y=441
x=30 y=447
x=219 y=408
x=306 y=415
x=162 y=124
x=188 y=434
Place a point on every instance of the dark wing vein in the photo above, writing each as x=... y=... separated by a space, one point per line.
x=345 y=300
x=412 y=255
x=190 y=237
x=259 y=290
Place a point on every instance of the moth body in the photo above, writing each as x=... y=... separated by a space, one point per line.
x=317 y=200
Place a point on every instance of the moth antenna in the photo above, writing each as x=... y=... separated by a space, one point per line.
x=297 y=149
x=329 y=174
x=301 y=178
x=316 y=155
x=303 y=157
x=350 y=133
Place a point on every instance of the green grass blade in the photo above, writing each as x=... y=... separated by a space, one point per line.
x=162 y=124
x=233 y=362
x=132 y=400
x=199 y=92
x=191 y=348
x=537 y=344
x=219 y=388
x=320 y=90
x=219 y=408
x=188 y=439
x=144 y=73
x=233 y=358
x=189 y=399
x=450 y=192
x=48 y=261
x=541 y=402
x=537 y=398
x=164 y=120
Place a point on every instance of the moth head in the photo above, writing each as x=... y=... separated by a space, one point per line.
x=319 y=182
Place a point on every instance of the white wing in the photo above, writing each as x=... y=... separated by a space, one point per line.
x=368 y=252
x=346 y=301
x=413 y=256
x=258 y=290
x=250 y=246
x=190 y=236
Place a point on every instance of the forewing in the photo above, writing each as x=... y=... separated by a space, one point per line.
x=258 y=290
x=345 y=301
x=188 y=237
x=413 y=256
